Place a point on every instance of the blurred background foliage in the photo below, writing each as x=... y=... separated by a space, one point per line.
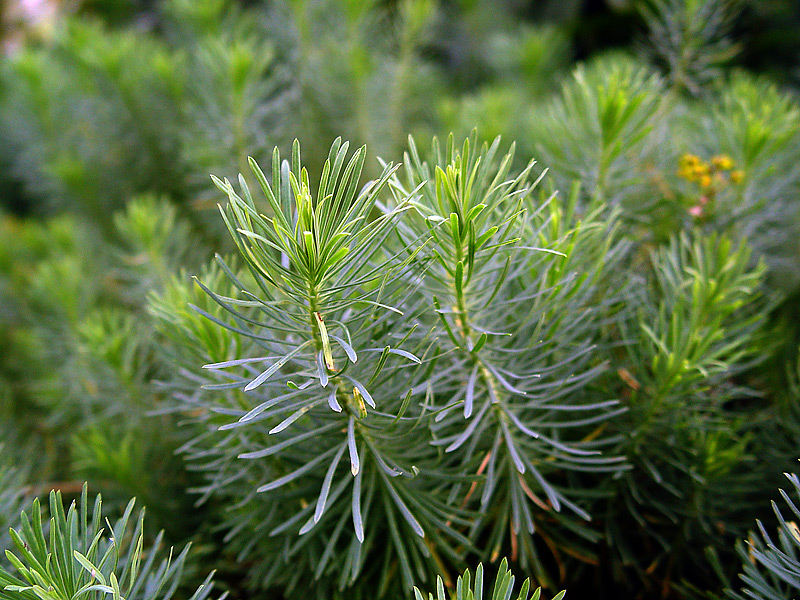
x=673 y=126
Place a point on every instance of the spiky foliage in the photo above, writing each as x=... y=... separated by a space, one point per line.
x=193 y=87
x=690 y=39
x=505 y=106
x=352 y=379
x=154 y=240
x=12 y=498
x=91 y=118
x=360 y=71
x=596 y=129
x=78 y=311
x=503 y=588
x=758 y=126
x=535 y=55
x=771 y=569
x=240 y=93
x=51 y=286
x=82 y=559
x=79 y=295
x=699 y=324
x=316 y=306
x=98 y=114
x=503 y=265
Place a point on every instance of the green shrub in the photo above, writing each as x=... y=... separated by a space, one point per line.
x=503 y=588
x=587 y=364
x=320 y=306
x=12 y=498
x=83 y=559
x=772 y=568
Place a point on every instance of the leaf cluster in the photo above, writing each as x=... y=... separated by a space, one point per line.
x=12 y=497
x=407 y=368
x=503 y=588
x=81 y=358
x=74 y=556
x=422 y=408
x=690 y=39
x=771 y=569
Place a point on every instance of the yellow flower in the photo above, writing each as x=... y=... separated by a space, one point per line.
x=723 y=162
x=737 y=176
x=705 y=181
x=689 y=160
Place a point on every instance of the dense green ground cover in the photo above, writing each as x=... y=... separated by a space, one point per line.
x=556 y=323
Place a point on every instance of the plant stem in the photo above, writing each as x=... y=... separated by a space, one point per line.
x=466 y=333
x=337 y=382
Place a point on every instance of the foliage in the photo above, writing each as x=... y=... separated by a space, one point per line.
x=528 y=411
x=596 y=129
x=83 y=559
x=91 y=120
x=12 y=497
x=239 y=93
x=758 y=126
x=698 y=324
x=772 y=569
x=86 y=357
x=503 y=588
x=689 y=38
x=587 y=364
x=324 y=315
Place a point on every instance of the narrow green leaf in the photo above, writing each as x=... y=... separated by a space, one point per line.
x=326 y=343
x=404 y=511
x=93 y=571
x=297 y=472
x=523 y=592
x=274 y=202
x=485 y=237
x=474 y=212
x=479 y=344
x=403 y=407
x=348 y=349
x=355 y=463
x=362 y=390
x=311 y=254
x=405 y=354
x=333 y=402
x=470 y=392
x=455 y=230
x=358 y=520
x=459 y=281
x=471 y=249
x=291 y=419
x=275 y=366
x=381 y=362
x=322 y=370
x=326 y=484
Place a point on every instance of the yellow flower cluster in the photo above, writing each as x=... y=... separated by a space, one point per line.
x=693 y=168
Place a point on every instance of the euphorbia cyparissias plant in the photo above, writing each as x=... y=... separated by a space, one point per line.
x=400 y=362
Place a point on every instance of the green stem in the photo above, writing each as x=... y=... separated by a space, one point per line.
x=352 y=405
x=313 y=307
x=466 y=333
